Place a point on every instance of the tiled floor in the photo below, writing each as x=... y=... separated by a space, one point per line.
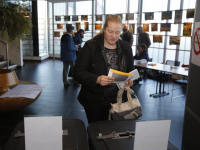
x=57 y=100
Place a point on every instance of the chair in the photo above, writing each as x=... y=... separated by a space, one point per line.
x=171 y=62
x=184 y=79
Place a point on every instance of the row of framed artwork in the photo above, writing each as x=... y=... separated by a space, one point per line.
x=187 y=27
x=166 y=15
x=173 y=40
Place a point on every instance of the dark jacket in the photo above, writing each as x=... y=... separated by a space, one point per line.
x=144 y=38
x=77 y=39
x=143 y=55
x=91 y=63
x=68 y=50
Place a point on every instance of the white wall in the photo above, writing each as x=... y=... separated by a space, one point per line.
x=14 y=52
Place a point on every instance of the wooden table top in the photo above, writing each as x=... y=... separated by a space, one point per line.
x=164 y=68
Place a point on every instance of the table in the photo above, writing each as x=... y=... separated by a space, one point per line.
x=162 y=68
x=9 y=104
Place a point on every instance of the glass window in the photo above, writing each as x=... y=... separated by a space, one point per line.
x=184 y=57
x=170 y=55
x=84 y=8
x=42 y=27
x=59 y=8
x=188 y=4
x=71 y=8
x=154 y=5
x=116 y=6
x=175 y=5
x=99 y=6
x=133 y=6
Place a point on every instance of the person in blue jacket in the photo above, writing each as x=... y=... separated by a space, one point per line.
x=78 y=39
x=68 y=54
x=142 y=54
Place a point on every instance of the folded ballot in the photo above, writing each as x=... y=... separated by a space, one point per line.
x=122 y=77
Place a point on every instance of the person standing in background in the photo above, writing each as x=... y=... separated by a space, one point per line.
x=127 y=35
x=78 y=39
x=143 y=37
x=68 y=54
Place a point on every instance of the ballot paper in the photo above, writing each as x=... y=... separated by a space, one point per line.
x=24 y=90
x=152 y=135
x=43 y=133
x=135 y=75
x=122 y=77
x=141 y=61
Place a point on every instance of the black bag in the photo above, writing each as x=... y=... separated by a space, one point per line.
x=75 y=140
x=107 y=128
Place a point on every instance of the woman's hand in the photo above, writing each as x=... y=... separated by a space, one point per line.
x=138 y=54
x=129 y=84
x=105 y=80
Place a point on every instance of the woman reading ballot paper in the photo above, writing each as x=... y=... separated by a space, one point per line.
x=103 y=52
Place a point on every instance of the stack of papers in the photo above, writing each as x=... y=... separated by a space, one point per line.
x=142 y=61
x=24 y=90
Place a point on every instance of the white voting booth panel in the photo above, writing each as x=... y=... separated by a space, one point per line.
x=43 y=133
x=152 y=135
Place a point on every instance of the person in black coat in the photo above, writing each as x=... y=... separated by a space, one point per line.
x=103 y=52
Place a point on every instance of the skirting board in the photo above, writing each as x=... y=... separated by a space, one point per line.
x=36 y=57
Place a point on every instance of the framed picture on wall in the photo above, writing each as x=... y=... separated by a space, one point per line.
x=74 y=18
x=56 y=34
x=98 y=26
x=57 y=18
x=132 y=28
x=59 y=26
x=166 y=15
x=174 y=40
x=178 y=16
x=86 y=26
x=130 y=16
x=149 y=16
x=157 y=38
x=98 y=17
x=84 y=18
x=187 y=28
x=146 y=27
x=78 y=26
x=66 y=18
x=154 y=27
x=165 y=26
x=67 y=25
x=190 y=13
